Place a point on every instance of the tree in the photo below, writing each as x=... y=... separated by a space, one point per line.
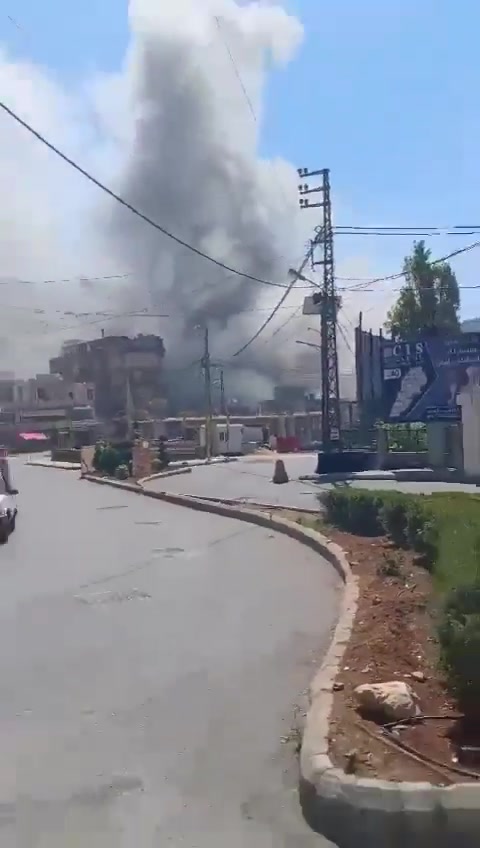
x=430 y=299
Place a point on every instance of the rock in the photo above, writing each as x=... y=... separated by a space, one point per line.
x=393 y=701
x=419 y=675
x=280 y=473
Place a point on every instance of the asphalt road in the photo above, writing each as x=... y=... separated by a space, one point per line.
x=250 y=479
x=150 y=662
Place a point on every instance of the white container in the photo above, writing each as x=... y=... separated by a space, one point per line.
x=226 y=438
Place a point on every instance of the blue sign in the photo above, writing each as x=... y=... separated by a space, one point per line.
x=422 y=380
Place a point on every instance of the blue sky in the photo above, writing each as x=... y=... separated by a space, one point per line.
x=383 y=93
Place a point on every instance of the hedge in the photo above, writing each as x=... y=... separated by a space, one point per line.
x=445 y=529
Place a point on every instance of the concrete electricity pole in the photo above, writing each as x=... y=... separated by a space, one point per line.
x=206 y=365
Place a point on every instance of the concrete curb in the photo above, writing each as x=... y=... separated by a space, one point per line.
x=174 y=472
x=200 y=463
x=63 y=466
x=257 y=505
x=405 y=475
x=352 y=812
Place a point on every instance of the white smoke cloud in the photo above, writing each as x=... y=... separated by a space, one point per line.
x=173 y=132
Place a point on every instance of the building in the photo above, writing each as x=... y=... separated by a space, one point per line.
x=45 y=404
x=126 y=373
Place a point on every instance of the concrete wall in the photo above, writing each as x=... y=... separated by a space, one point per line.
x=469 y=400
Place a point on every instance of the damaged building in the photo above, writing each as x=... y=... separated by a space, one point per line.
x=127 y=373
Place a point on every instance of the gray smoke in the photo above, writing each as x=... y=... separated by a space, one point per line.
x=193 y=166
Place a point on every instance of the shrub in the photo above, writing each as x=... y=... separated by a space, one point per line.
x=459 y=636
x=422 y=531
x=110 y=460
x=354 y=510
x=393 y=515
x=121 y=472
x=97 y=456
x=157 y=465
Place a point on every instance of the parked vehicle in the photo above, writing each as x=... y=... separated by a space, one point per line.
x=8 y=498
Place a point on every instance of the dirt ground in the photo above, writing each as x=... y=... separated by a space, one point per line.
x=393 y=639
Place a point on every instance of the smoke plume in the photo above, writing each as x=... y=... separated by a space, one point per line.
x=196 y=71
x=176 y=132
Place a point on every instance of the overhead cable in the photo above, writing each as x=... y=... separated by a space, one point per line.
x=133 y=209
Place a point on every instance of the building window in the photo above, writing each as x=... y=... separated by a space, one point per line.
x=90 y=394
x=42 y=393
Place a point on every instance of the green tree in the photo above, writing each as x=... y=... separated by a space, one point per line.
x=430 y=299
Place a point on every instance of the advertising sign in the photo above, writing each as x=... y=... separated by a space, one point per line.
x=423 y=379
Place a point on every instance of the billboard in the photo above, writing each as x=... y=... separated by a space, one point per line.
x=422 y=379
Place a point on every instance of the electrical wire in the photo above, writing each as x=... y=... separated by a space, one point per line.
x=178 y=239
x=400 y=274
x=345 y=337
x=235 y=68
x=5 y=281
x=283 y=298
x=455 y=228
x=132 y=208
x=423 y=235
x=267 y=320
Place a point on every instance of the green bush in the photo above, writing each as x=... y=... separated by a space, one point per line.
x=354 y=511
x=97 y=456
x=121 y=472
x=422 y=531
x=393 y=515
x=459 y=636
x=106 y=459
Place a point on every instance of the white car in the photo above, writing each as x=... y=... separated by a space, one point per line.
x=8 y=499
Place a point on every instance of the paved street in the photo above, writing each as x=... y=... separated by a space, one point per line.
x=150 y=661
x=250 y=479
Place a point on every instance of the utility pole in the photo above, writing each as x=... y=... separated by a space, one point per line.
x=223 y=408
x=206 y=365
x=328 y=302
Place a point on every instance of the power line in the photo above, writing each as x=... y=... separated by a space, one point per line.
x=235 y=68
x=344 y=337
x=453 y=229
x=5 y=281
x=379 y=233
x=284 y=296
x=400 y=274
x=267 y=320
x=133 y=209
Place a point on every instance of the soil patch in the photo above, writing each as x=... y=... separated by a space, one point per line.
x=393 y=639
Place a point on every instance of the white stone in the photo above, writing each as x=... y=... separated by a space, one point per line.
x=394 y=700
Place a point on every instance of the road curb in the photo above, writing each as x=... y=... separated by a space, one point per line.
x=174 y=472
x=351 y=812
x=58 y=466
x=256 y=504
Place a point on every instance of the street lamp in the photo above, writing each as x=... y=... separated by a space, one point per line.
x=308 y=344
x=297 y=275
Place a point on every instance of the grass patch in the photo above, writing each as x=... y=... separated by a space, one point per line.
x=444 y=529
